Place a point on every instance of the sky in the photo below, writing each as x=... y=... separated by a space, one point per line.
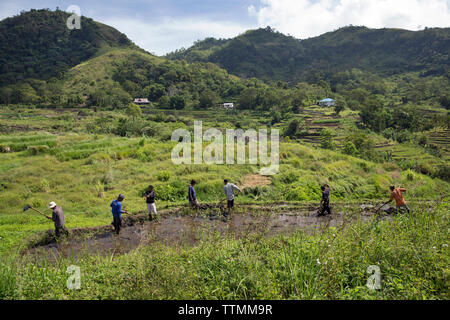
x=162 y=26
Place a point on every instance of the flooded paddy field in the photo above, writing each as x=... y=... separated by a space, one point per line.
x=177 y=229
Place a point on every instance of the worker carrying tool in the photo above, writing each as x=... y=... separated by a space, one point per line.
x=117 y=211
x=229 y=189
x=57 y=217
x=400 y=202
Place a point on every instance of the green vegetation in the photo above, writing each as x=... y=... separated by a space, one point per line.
x=411 y=251
x=70 y=133
x=270 y=55
x=84 y=164
x=49 y=46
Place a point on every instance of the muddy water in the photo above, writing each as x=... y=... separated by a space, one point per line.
x=182 y=230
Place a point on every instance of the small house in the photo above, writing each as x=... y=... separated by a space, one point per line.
x=228 y=105
x=327 y=102
x=141 y=101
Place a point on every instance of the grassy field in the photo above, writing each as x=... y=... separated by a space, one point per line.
x=54 y=155
x=410 y=250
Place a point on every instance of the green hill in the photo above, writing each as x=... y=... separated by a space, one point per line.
x=37 y=44
x=43 y=62
x=270 y=55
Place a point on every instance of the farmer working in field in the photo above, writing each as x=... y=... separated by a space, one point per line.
x=396 y=193
x=229 y=193
x=150 y=199
x=58 y=219
x=117 y=211
x=193 y=202
x=325 y=202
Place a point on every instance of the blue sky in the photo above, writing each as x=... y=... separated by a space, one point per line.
x=163 y=26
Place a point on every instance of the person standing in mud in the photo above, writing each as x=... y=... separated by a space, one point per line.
x=117 y=211
x=400 y=202
x=193 y=202
x=325 y=202
x=229 y=193
x=150 y=199
x=58 y=219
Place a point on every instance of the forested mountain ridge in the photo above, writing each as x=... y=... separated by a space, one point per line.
x=270 y=55
x=37 y=44
x=43 y=62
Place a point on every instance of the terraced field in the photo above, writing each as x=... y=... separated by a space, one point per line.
x=441 y=138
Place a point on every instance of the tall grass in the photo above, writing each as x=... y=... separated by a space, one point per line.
x=411 y=251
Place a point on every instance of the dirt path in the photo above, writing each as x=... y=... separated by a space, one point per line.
x=175 y=229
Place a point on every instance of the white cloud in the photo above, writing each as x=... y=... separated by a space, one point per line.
x=169 y=34
x=307 y=18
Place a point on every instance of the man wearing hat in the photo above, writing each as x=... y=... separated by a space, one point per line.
x=58 y=219
x=117 y=211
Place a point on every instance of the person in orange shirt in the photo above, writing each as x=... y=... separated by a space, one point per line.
x=396 y=193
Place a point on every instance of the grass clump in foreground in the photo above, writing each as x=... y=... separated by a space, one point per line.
x=411 y=251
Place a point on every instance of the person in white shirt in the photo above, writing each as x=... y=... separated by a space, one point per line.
x=229 y=192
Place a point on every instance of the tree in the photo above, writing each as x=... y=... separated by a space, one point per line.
x=276 y=118
x=208 y=99
x=340 y=105
x=338 y=108
x=326 y=139
x=292 y=128
x=363 y=143
x=444 y=100
x=133 y=111
x=177 y=102
x=164 y=102
x=248 y=99
x=349 y=148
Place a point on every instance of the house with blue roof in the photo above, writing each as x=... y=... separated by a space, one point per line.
x=327 y=102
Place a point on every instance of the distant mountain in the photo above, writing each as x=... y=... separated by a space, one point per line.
x=43 y=62
x=37 y=44
x=270 y=55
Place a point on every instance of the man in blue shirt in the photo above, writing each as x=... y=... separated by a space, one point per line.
x=117 y=211
x=193 y=202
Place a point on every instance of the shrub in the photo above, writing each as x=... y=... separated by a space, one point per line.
x=100 y=188
x=99 y=157
x=174 y=191
x=145 y=154
x=107 y=180
x=163 y=176
x=363 y=165
x=289 y=177
x=326 y=139
x=35 y=150
x=442 y=172
x=304 y=192
x=45 y=185
x=409 y=176
x=349 y=148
